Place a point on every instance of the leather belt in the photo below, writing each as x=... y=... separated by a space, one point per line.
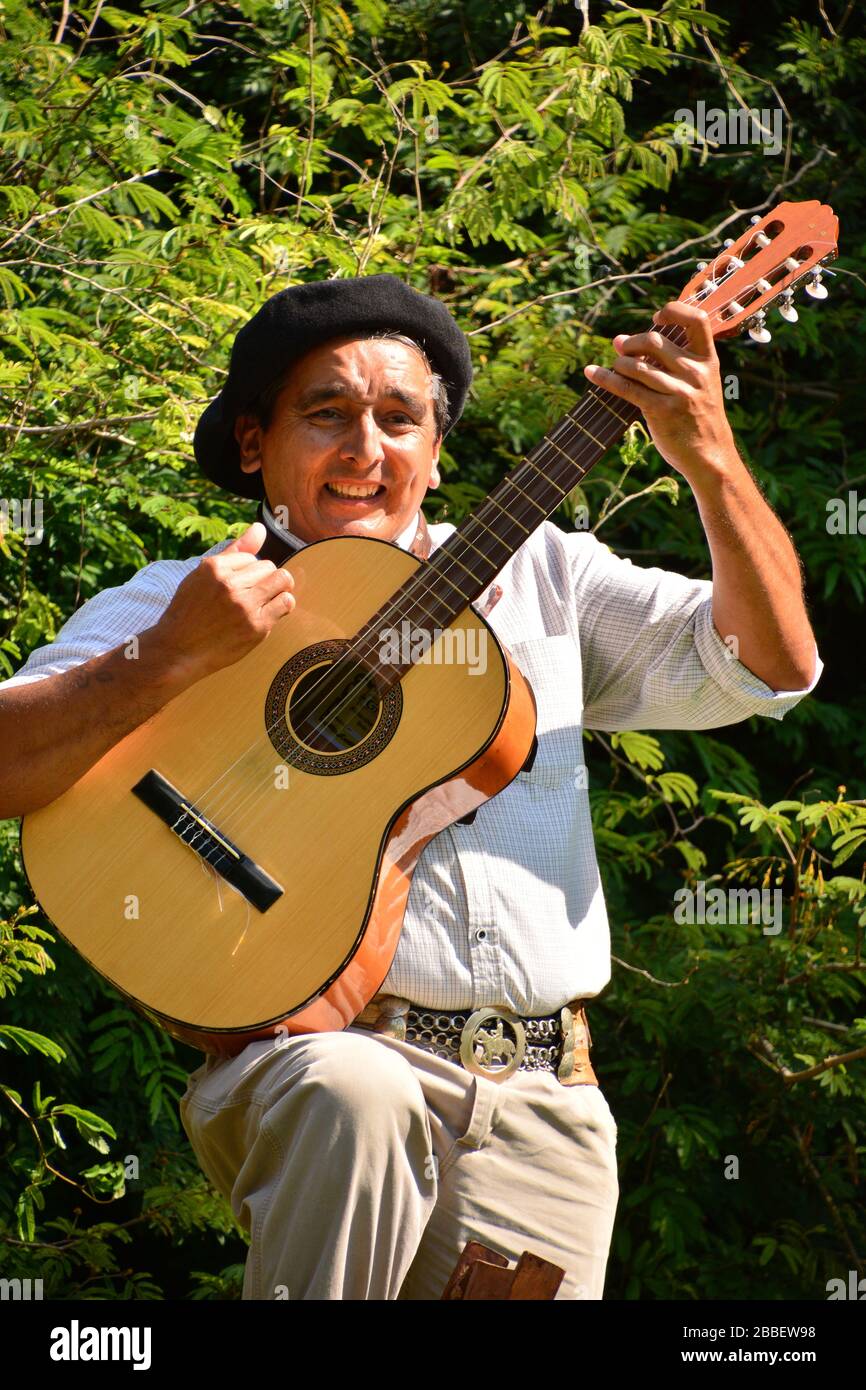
x=491 y=1042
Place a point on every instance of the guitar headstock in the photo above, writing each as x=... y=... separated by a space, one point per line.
x=764 y=265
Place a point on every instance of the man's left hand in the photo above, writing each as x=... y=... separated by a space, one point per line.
x=679 y=390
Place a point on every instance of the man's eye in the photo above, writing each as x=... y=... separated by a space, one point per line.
x=328 y=410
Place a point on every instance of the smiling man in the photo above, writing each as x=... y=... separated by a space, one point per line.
x=367 y=417
x=363 y=416
x=362 y=1161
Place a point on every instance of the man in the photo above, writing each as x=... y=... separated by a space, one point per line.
x=362 y=1161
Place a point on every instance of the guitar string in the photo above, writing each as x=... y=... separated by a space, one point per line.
x=408 y=599
x=406 y=592
x=408 y=603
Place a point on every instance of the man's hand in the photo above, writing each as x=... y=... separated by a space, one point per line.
x=758 y=606
x=56 y=728
x=678 y=389
x=226 y=606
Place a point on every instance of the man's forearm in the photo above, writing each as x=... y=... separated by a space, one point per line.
x=53 y=730
x=757 y=582
x=757 y=585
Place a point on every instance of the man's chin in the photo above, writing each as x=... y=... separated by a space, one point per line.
x=381 y=529
x=351 y=517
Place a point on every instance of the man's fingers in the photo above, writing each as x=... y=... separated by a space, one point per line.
x=249 y=542
x=280 y=582
x=646 y=377
x=621 y=386
x=695 y=322
x=252 y=574
x=281 y=603
x=651 y=344
x=238 y=560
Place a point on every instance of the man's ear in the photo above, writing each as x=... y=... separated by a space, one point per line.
x=435 y=477
x=248 y=435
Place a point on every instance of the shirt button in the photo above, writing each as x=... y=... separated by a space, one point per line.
x=481 y=934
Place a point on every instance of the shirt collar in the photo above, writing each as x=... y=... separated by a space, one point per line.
x=404 y=540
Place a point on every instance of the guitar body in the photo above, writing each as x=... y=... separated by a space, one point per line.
x=324 y=837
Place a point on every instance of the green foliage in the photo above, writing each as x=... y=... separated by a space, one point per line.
x=164 y=168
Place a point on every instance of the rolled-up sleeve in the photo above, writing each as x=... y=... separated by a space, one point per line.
x=651 y=655
x=106 y=621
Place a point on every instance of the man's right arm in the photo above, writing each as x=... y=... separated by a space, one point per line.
x=54 y=729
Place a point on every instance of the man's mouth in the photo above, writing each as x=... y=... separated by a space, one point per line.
x=355 y=492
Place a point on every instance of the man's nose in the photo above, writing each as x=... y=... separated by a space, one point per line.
x=363 y=442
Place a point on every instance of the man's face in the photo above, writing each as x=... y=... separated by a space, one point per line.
x=352 y=414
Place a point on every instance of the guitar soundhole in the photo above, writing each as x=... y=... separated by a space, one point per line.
x=326 y=714
x=334 y=707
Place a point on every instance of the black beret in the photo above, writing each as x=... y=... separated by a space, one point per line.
x=302 y=317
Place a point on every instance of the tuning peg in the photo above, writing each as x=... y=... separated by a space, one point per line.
x=702 y=265
x=734 y=262
x=759 y=333
x=760 y=237
x=786 y=308
x=816 y=289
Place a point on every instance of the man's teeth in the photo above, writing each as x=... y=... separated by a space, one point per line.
x=354 y=490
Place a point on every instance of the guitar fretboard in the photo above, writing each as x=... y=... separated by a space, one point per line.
x=464 y=566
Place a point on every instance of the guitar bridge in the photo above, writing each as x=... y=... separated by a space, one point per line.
x=201 y=836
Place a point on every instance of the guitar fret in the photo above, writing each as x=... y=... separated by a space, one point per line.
x=428 y=592
x=595 y=439
x=563 y=492
x=426 y=612
x=565 y=455
x=451 y=582
x=474 y=547
x=471 y=573
x=605 y=406
x=476 y=520
x=492 y=499
x=560 y=472
x=512 y=483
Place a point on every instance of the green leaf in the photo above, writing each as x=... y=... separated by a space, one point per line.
x=28 y=1041
x=641 y=749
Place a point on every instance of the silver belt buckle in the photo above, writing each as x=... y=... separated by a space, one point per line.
x=486 y=1049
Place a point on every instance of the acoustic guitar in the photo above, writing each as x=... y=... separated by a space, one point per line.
x=239 y=865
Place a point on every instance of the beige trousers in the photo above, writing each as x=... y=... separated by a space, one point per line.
x=361 y=1165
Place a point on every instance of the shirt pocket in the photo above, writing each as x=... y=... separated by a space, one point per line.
x=553 y=668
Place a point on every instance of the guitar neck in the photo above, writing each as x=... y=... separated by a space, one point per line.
x=464 y=566
x=526 y=497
